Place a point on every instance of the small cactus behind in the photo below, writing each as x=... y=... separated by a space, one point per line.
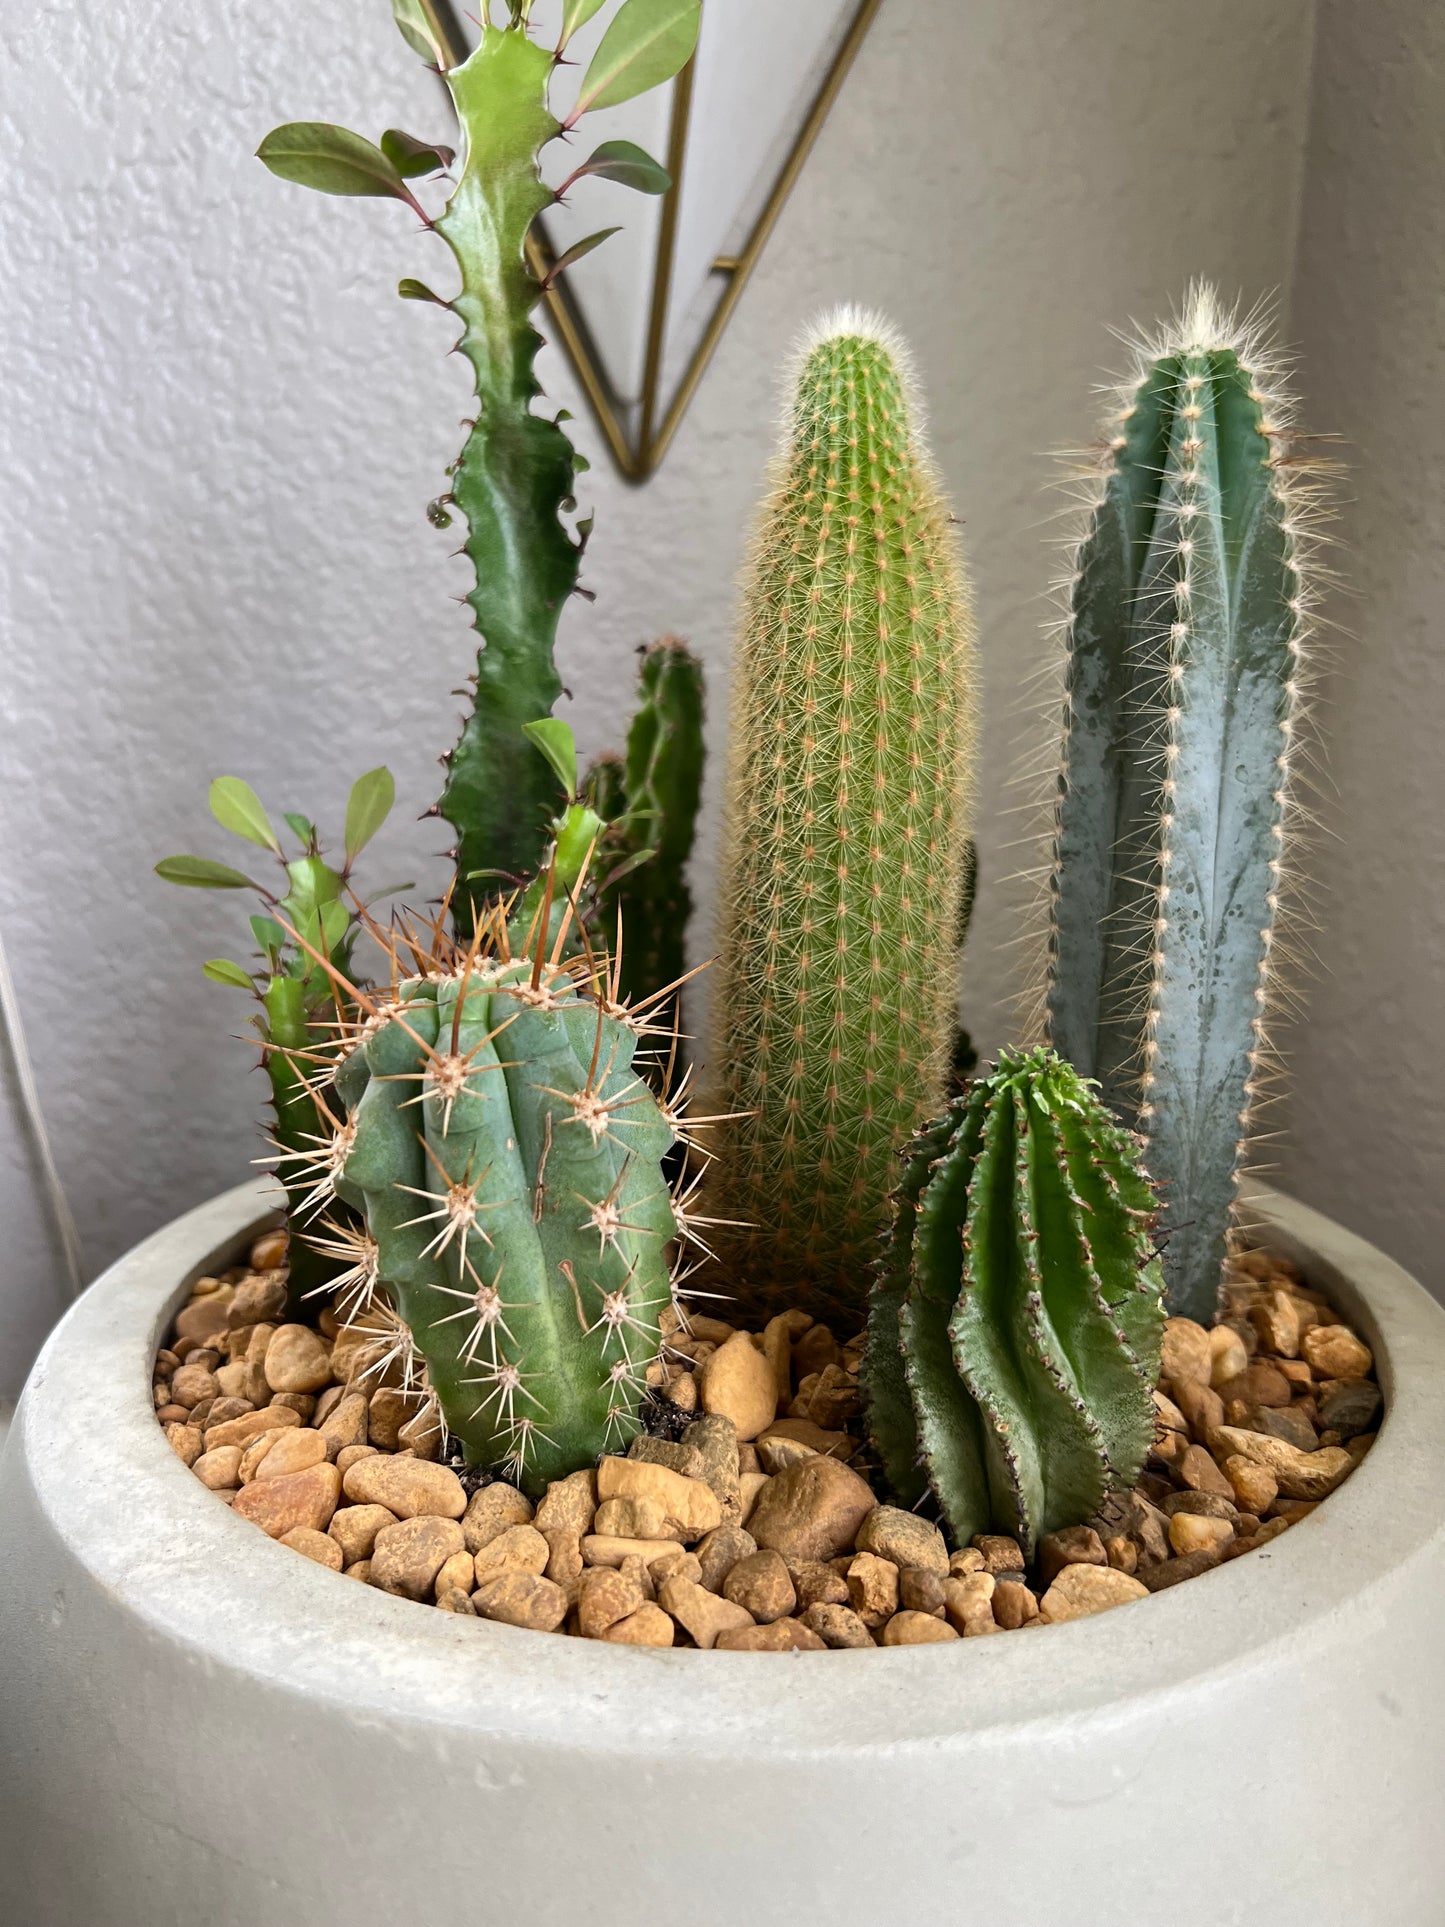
x=1189 y=616
x=833 y=1009
x=1016 y=1319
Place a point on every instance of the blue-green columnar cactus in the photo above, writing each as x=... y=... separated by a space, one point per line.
x=1015 y=1325
x=846 y=836
x=505 y=1156
x=298 y=1019
x=1188 y=619
x=651 y=803
x=514 y=479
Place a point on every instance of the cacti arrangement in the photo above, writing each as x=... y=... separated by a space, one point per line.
x=477 y=1155
x=1189 y=612
x=1015 y=1327
x=846 y=828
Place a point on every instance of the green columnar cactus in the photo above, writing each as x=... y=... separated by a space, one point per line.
x=846 y=829
x=647 y=853
x=299 y=1014
x=1015 y=1327
x=515 y=476
x=1187 y=624
x=506 y=1158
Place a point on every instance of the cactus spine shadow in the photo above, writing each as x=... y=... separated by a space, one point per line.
x=846 y=829
x=1016 y=1318
x=1189 y=612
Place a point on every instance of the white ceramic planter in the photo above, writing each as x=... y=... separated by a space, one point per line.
x=198 y=1726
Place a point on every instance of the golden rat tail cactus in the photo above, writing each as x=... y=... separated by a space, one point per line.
x=847 y=828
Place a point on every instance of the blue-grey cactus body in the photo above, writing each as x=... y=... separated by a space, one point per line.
x=1183 y=677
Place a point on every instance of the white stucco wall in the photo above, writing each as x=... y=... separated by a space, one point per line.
x=219 y=430
x=1366 y=1136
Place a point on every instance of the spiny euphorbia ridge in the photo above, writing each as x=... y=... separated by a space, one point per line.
x=847 y=827
x=1189 y=611
x=1015 y=1324
x=515 y=477
x=505 y=1155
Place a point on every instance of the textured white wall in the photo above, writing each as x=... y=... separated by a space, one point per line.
x=219 y=430
x=1367 y=1137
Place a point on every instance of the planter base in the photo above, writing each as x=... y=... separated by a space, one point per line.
x=199 y=1724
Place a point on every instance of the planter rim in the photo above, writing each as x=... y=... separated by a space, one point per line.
x=187 y=1570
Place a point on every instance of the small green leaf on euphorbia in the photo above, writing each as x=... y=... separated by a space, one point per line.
x=647 y=43
x=576 y=252
x=221 y=970
x=270 y=937
x=335 y=922
x=367 y=808
x=628 y=164
x=558 y=745
x=200 y=873
x=411 y=157
x=300 y=826
x=575 y=14
x=411 y=290
x=237 y=808
x=331 y=159
x=417 y=31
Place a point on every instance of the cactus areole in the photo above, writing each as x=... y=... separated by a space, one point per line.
x=846 y=834
x=1015 y=1325
x=1188 y=621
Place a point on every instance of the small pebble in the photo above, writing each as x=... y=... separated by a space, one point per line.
x=1332 y=1351
x=319 y=1546
x=738 y=1383
x=782 y=1636
x=521 y=1599
x=904 y=1538
x=916 y=1629
x=648 y=1626
x=1081 y=1590
x=518 y=1549
x=408 y=1487
x=761 y=1584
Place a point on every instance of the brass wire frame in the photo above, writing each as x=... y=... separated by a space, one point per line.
x=637 y=458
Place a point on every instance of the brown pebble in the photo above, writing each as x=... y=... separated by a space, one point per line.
x=259 y=1298
x=873 y=1588
x=816 y=1584
x=603 y=1597
x=719 y=1551
x=287 y=1451
x=1074 y=1546
x=1000 y=1554
x=518 y=1549
x=1259 y=1384
x=1082 y=1590
x=1185 y=1352
x=410 y=1488
x=568 y=1505
x=1196 y=1532
x=1172 y=1571
x=1332 y=1351
x=492 y=1510
x=599 y=1549
x=903 y=1538
x=361 y=1570
x=319 y=1546
x=297 y=1360
x=1198 y=1471
x=737 y=1382
x=1255 y=1486
x=1277 y=1321
x=648 y=1626
x=354 y=1528
x=407 y=1557
x=455 y=1601
x=1301 y=1475
x=344 y=1424
x=522 y=1599
x=700 y=1612
x=920 y=1591
x=1013 y=1605
x=782 y=1636
x=916 y=1629
x=191 y=1384
x=241 y=1431
x=811 y=1511
x=837 y=1626
x=457 y=1574
x=186 y=1441
x=278 y=1506
x=761 y=1584
x=968 y=1603
x=219 y=1469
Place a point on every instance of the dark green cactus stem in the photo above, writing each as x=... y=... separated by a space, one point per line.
x=507 y=1161
x=847 y=825
x=516 y=468
x=1015 y=1327
x=514 y=479
x=661 y=784
x=290 y=1042
x=1186 y=632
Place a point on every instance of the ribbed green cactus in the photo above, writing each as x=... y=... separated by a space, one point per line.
x=833 y=1009
x=506 y=1159
x=514 y=479
x=297 y=993
x=1187 y=623
x=653 y=810
x=1015 y=1326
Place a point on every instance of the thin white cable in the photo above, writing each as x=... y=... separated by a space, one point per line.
x=35 y=1123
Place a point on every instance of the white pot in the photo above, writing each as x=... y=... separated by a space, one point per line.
x=196 y=1725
